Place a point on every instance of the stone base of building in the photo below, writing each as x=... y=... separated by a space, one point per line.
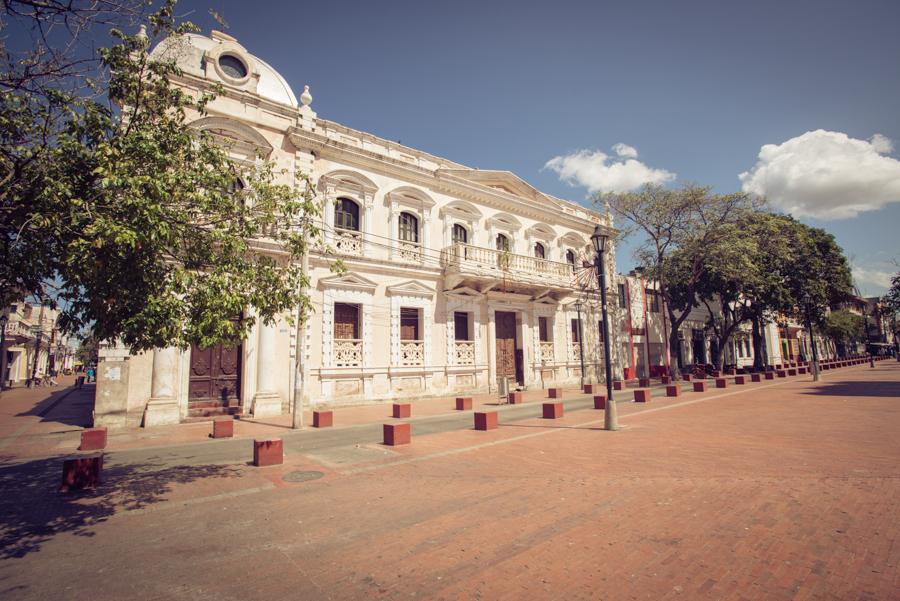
x=161 y=412
x=267 y=404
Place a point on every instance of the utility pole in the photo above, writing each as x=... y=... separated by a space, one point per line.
x=37 y=344
x=299 y=364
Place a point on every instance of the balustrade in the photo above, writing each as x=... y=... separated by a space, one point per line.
x=463 y=256
x=348 y=242
x=347 y=353
x=412 y=352
x=465 y=352
x=547 y=352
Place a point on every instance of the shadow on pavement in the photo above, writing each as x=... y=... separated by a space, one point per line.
x=32 y=512
x=70 y=406
x=873 y=388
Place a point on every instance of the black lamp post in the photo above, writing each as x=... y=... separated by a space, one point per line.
x=580 y=341
x=599 y=239
x=812 y=341
x=4 y=319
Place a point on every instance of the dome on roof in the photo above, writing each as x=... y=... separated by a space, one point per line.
x=221 y=58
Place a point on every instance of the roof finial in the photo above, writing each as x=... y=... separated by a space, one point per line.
x=142 y=35
x=306 y=97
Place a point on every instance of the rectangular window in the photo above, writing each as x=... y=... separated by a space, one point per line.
x=461 y=326
x=623 y=302
x=346 y=321
x=543 y=329
x=652 y=301
x=575 y=337
x=409 y=323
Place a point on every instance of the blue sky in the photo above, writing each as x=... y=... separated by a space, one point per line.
x=695 y=88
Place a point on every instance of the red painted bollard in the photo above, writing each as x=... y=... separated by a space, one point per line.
x=688 y=377
x=463 y=403
x=486 y=420
x=223 y=428
x=618 y=385
x=642 y=395
x=515 y=398
x=664 y=380
x=792 y=371
x=401 y=410
x=323 y=419
x=756 y=377
x=644 y=383
x=93 y=439
x=397 y=434
x=673 y=390
x=554 y=393
x=769 y=375
x=721 y=383
x=82 y=472
x=700 y=386
x=801 y=371
x=739 y=380
x=599 y=401
x=781 y=373
x=268 y=452
x=553 y=410
x=589 y=388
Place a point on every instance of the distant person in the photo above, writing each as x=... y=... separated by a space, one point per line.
x=90 y=374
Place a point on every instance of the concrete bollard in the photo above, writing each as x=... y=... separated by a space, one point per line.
x=721 y=383
x=618 y=385
x=688 y=377
x=554 y=393
x=801 y=371
x=769 y=375
x=93 y=439
x=664 y=380
x=397 y=434
x=644 y=383
x=553 y=410
x=323 y=419
x=792 y=371
x=268 y=452
x=599 y=401
x=515 y=398
x=223 y=428
x=756 y=377
x=700 y=386
x=589 y=388
x=463 y=403
x=739 y=380
x=781 y=373
x=486 y=420
x=673 y=390
x=401 y=410
x=642 y=395
x=82 y=472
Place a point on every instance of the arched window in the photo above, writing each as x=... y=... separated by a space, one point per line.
x=460 y=234
x=409 y=228
x=236 y=190
x=346 y=215
x=502 y=243
x=570 y=257
x=539 y=251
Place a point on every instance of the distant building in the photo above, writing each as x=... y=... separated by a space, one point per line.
x=31 y=331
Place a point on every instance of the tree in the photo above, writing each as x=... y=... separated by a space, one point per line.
x=844 y=328
x=690 y=220
x=146 y=228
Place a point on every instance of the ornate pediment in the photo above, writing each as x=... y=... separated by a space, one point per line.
x=410 y=288
x=463 y=293
x=348 y=281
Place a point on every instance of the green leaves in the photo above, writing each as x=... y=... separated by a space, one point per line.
x=138 y=216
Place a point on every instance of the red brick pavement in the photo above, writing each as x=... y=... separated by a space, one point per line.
x=781 y=490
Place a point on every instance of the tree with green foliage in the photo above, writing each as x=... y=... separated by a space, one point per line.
x=690 y=221
x=146 y=229
x=844 y=329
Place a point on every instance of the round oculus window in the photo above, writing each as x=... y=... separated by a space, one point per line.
x=232 y=66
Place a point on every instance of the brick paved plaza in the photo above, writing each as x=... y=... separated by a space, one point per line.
x=775 y=490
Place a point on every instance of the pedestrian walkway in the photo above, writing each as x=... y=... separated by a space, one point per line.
x=785 y=489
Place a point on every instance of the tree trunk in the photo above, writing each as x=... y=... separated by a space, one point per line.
x=756 y=335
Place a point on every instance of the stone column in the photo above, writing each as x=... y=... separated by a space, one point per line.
x=162 y=408
x=266 y=402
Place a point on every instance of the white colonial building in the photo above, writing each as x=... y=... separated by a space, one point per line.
x=454 y=277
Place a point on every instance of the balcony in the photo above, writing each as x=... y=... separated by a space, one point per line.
x=348 y=242
x=485 y=263
x=546 y=352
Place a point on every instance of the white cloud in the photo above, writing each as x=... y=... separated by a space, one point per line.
x=871 y=280
x=826 y=174
x=624 y=150
x=599 y=172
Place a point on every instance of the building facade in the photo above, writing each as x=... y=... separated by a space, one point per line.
x=454 y=278
x=32 y=344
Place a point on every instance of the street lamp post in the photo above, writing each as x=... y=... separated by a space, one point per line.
x=812 y=341
x=4 y=319
x=599 y=239
x=580 y=341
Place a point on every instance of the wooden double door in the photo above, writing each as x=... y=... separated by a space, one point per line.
x=215 y=374
x=509 y=358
